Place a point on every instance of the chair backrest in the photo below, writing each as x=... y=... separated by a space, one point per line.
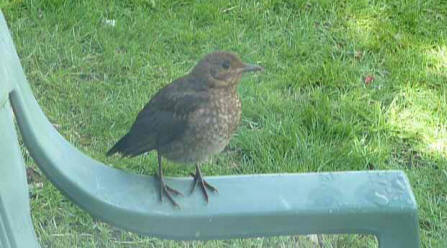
x=379 y=203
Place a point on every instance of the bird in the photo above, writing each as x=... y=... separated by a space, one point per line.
x=190 y=119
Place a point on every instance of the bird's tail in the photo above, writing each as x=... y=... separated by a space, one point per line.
x=119 y=146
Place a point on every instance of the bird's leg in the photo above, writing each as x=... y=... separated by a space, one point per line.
x=198 y=179
x=164 y=188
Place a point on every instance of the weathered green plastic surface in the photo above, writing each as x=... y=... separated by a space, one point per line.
x=16 y=229
x=379 y=203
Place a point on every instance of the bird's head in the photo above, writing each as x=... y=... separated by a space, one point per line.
x=222 y=69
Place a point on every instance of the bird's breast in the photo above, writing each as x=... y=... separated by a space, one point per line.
x=220 y=118
x=209 y=129
x=226 y=114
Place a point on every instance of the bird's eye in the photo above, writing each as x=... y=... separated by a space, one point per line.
x=226 y=64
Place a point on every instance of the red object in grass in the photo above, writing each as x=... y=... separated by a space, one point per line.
x=369 y=79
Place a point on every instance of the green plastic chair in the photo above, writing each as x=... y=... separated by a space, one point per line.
x=379 y=202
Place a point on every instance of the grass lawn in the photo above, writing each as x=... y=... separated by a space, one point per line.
x=349 y=85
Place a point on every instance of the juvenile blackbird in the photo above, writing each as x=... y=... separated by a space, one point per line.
x=190 y=119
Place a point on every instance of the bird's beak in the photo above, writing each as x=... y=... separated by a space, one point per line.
x=248 y=68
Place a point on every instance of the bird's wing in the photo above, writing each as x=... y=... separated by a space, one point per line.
x=162 y=120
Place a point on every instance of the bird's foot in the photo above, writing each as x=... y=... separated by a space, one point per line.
x=198 y=179
x=167 y=191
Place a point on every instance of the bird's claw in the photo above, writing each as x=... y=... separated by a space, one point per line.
x=203 y=185
x=167 y=191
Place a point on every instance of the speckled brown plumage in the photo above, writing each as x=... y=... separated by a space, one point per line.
x=190 y=119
